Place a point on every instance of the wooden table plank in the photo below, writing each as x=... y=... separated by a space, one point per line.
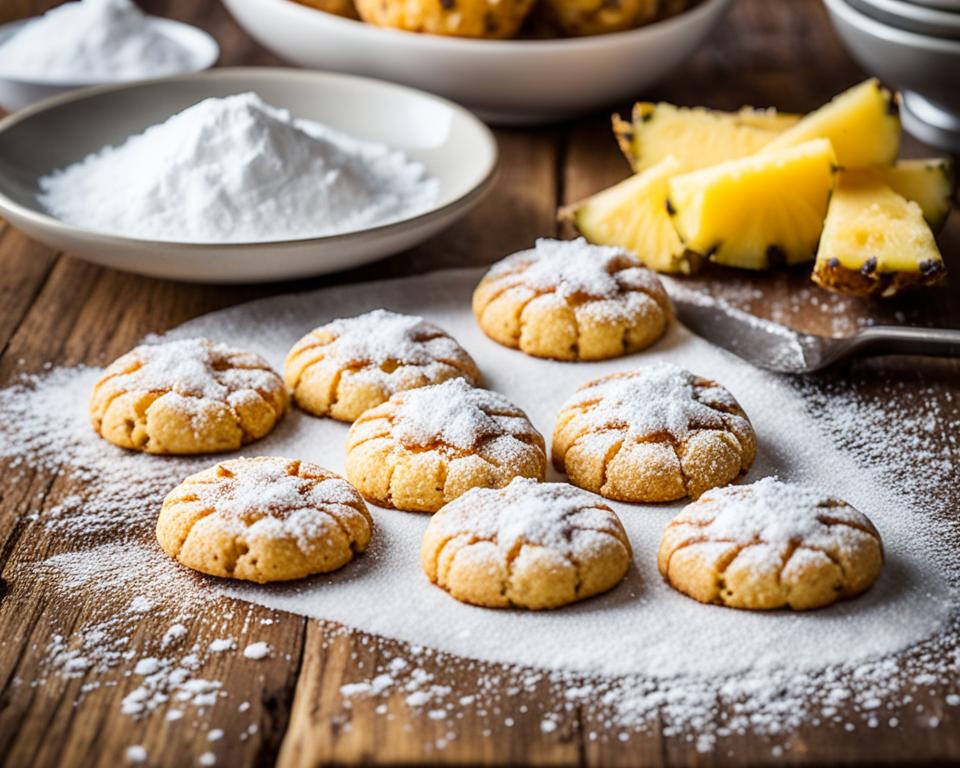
x=63 y=311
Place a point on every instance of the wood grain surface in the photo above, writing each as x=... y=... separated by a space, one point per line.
x=56 y=309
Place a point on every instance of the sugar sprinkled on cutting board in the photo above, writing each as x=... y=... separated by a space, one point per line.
x=768 y=676
x=236 y=169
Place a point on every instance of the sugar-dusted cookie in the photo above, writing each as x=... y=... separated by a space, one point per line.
x=569 y=300
x=658 y=433
x=529 y=545
x=770 y=545
x=344 y=367
x=427 y=446
x=187 y=396
x=264 y=519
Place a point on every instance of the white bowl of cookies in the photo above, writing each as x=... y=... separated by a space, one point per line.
x=598 y=53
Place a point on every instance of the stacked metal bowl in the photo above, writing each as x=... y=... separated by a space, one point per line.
x=913 y=45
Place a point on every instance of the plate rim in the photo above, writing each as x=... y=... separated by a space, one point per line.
x=62 y=229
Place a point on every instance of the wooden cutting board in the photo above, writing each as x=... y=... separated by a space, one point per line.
x=56 y=309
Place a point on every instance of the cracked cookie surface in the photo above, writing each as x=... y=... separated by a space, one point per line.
x=185 y=397
x=770 y=545
x=658 y=433
x=425 y=447
x=568 y=300
x=349 y=365
x=264 y=519
x=528 y=545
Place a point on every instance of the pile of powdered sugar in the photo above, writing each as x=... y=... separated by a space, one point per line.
x=641 y=656
x=234 y=170
x=93 y=40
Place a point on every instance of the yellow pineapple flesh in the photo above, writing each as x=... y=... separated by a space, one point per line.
x=758 y=211
x=863 y=124
x=929 y=183
x=875 y=242
x=695 y=136
x=633 y=215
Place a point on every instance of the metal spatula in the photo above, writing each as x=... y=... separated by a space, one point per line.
x=777 y=348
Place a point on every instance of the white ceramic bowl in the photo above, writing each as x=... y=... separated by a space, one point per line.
x=456 y=148
x=945 y=5
x=912 y=17
x=17 y=92
x=924 y=68
x=505 y=81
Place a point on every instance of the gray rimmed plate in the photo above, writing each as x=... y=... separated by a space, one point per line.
x=454 y=146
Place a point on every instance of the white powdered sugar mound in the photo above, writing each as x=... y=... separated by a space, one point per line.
x=237 y=170
x=92 y=40
x=641 y=654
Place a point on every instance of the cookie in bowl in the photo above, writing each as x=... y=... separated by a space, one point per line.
x=425 y=447
x=569 y=300
x=185 y=397
x=264 y=519
x=349 y=365
x=530 y=545
x=770 y=545
x=457 y=18
x=658 y=433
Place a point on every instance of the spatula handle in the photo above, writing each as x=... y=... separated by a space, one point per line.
x=896 y=340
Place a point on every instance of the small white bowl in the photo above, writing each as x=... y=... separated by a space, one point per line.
x=17 y=92
x=504 y=81
x=924 y=68
x=912 y=17
x=943 y=5
x=456 y=149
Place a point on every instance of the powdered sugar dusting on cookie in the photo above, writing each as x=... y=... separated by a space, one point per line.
x=381 y=336
x=456 y=414
x=773 y=512
x=528 y=512
x=657 y=398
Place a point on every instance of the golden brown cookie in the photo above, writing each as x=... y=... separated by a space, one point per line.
x=569 y=300
x=529 y=545
x=425 y=447
x=187 y=396
x=458 y=18
x=264 y=519
x=658 y=433
x=349 y=365
x=770 y=545
x=574 y=18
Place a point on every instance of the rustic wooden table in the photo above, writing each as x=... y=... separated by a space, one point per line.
x=56 y=309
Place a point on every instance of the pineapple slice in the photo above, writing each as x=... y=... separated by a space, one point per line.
x=757 y=211
x=863 y=124
x=875 y=242
x=929 y=183
x=698 y=137
x=633 y=215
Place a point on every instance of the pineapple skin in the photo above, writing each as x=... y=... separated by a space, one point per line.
x=757 y=211
x=862 y=123
x=875 y=242
x=699 y=137
x=633 y=215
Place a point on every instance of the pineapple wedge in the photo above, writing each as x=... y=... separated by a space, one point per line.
x=633 y=215
x=875 y=242
x=863 y=124
x=696 y=136
x=929 y=183
x=757 y=211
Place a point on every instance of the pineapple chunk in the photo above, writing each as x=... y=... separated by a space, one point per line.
x=875 y=242
x=696 y=136
x=929 y=183
x=633 y=215
x=756 y=211
x=863 y=124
